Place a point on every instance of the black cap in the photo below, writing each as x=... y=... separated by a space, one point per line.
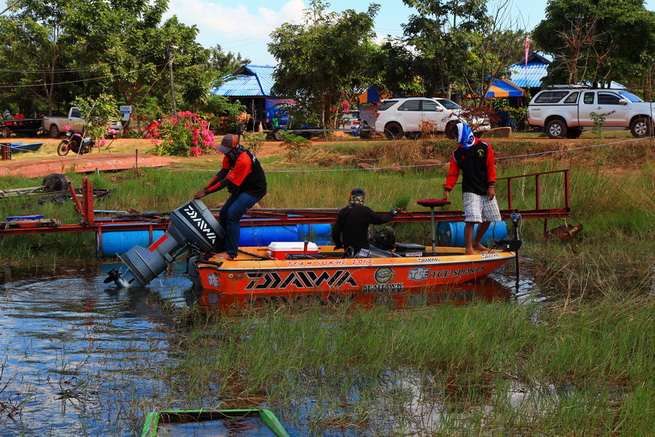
x=228 y=143
x=357 y=192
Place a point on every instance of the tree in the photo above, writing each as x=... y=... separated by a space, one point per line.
x=394 y=61
x=32 y=47
x=492 y=50
x=64 y=49
x=459 y=46
x=441 y=34
x=329 y=54
x=96 y=114
x=222 y=63
x=126 y=45
x=594 y=41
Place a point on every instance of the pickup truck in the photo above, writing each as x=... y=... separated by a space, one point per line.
x=24 y=126
x=566 y=112
x=56 y=125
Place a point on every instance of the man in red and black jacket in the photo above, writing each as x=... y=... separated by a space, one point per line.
x=244 y=178
x=475 y=158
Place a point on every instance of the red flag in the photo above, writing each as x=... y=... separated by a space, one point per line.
x=527 y=49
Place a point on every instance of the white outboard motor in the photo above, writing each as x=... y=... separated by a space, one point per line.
x=192 y=225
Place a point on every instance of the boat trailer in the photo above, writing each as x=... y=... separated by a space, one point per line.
x=92 y=220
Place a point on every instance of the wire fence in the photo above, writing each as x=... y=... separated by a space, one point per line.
x=90 y=159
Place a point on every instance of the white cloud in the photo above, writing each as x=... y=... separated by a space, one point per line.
x=236 y=28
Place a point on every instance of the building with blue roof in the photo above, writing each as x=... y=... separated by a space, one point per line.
x=529 y=76
x=253 y=81
x=250 y=85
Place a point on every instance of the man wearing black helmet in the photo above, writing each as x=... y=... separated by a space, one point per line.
x=351 y=228
x=244 y=178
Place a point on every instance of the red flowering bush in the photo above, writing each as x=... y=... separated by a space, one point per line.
x=187 y=134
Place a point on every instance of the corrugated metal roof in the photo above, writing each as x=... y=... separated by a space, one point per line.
x=528 y=76
x=541 y=56
x=265 y=75
x=247 y=81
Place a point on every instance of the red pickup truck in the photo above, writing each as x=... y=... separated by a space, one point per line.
x=20 y=125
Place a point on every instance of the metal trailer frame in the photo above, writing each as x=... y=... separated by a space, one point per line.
x=289 y=216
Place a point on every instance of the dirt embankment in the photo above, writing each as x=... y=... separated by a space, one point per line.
x=623 y=151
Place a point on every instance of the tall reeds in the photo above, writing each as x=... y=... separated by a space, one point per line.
x=610 y=194
x=489 y=366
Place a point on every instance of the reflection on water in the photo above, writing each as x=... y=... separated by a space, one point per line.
x=79 y=357
x=490 y=288
x=231 y=427
x=75 y=357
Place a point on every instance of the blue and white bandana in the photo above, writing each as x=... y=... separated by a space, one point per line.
x=465 y=135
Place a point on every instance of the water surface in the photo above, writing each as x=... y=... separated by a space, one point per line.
x=75 y=356
x=78 y=357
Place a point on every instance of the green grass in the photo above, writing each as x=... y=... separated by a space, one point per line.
x=611 y=189
x=566 y=360
x=577 y=362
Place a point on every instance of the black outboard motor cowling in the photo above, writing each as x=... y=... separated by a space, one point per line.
x=192 y=225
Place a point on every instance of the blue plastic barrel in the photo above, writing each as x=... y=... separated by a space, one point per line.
x=115 y=243
x=263 y=235
x=320 y=233
x=452 y=233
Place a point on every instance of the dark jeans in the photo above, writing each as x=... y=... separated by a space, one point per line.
x=229 y=218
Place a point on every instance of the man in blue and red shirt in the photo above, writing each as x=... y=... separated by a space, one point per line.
x=244 y=178
x=475 y=158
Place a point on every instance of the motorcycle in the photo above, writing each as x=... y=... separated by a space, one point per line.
x=76 y=143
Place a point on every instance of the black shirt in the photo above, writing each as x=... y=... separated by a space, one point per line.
x=351 y=228
x=477 y=166
x=241 y=173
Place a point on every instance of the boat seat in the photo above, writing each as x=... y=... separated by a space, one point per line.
x=433 y=203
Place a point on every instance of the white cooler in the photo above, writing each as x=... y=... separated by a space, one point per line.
x=279 y=250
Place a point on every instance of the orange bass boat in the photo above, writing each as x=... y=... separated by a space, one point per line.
x=260 y=274
x=296 y=270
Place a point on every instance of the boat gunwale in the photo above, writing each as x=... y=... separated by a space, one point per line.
x=273 y=264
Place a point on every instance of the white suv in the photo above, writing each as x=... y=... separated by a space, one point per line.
x=412 y=115
x=566 y=112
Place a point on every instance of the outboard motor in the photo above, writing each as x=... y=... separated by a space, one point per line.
x=192 y=225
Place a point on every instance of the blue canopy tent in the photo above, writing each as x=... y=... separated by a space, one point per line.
x=373 y=95
x=501 y=88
